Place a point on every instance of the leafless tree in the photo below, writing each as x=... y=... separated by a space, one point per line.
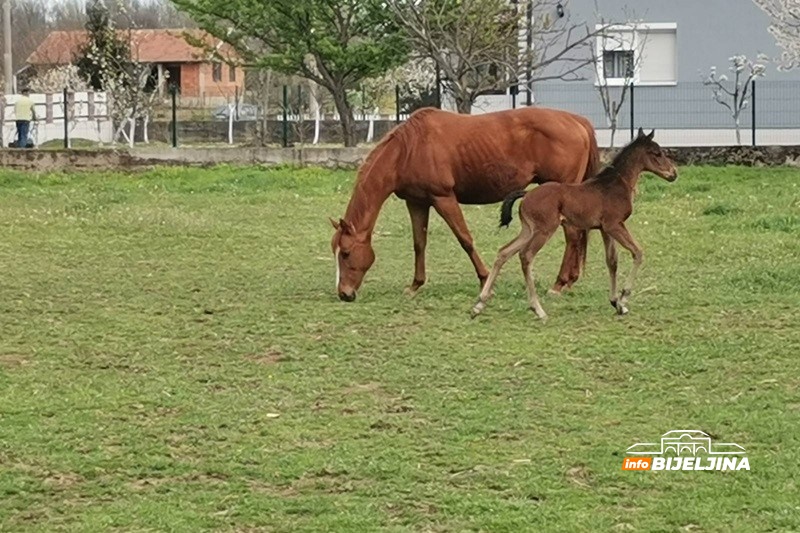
x=618 y=56
x=785 y=27
x=733 y=94
x=490 y=45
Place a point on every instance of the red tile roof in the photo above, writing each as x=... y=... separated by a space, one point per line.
x=149 y=46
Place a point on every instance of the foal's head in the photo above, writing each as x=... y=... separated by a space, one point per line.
x=353 y=255
x=652 y=157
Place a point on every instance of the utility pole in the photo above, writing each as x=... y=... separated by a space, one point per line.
x=8 y=69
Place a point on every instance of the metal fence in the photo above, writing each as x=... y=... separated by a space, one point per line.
x=685 y=114
x=683 y=106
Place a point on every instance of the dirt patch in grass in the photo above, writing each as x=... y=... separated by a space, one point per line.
x=10 y=360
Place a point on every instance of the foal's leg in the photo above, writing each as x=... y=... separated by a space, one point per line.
x=573 y=259
x=419 y=224
x=450 y=211
x=503 y=255
x=526 y=258
x=622 y=236
x=611 y=262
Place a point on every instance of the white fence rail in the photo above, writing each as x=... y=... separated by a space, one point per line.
x=87 y=117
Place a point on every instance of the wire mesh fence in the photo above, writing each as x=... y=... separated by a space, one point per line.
x=281 y=114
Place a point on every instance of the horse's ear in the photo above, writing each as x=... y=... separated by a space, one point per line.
x=334 y=224
x=651 y=135
x=347 y=227
x=640 y=134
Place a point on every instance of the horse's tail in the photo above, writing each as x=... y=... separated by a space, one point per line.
x=506 y=215
x=592 y=168
x=593 y=163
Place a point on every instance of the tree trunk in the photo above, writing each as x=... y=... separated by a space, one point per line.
x=132 y=137
x=463 y=104
x=738 y=132
x=345 y=117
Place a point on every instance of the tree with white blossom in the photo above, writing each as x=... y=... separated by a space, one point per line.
x=110 y=62
x=785 y=27
x=734 y=94
x=54 y=80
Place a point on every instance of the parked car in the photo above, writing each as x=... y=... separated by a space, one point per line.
x=245 y=112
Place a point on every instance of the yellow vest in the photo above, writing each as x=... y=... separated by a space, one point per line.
x=23 y=109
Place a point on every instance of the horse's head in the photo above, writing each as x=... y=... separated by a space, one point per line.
x=353 y=255
x=653 y=157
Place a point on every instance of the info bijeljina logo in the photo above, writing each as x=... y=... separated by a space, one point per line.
x=686 y=449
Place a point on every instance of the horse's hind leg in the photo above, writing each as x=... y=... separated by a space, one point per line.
x=611 y=262
x=622 y=236
x=526 y=258
x=503 y=255
x=419 y=225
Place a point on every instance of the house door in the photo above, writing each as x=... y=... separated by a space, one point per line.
x=173 y=73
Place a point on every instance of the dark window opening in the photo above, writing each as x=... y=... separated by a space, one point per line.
x=618 y=64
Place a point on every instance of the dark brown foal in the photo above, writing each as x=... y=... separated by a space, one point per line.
x=604 y=202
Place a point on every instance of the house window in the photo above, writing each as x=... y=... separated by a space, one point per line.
x=216 y=71
x=231 y=73
x=618 y=64
x=644 y=53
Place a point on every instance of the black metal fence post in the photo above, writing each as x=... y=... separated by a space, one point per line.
x=633 y=115
x=174 y=92
x=285 y=116
x=753 y=110
x=438 y=87
x=397 y=104
x=66 y=119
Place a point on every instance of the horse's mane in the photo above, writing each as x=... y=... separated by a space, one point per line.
x=613 y=169
x=403 y=138
x=404 y=134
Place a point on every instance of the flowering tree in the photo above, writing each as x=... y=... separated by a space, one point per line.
x=785 y=27
x=55 y=79
x=110 y=62
x=733 y=94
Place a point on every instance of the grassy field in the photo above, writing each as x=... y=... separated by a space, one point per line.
x=173 y=358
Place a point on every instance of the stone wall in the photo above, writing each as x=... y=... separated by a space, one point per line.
x=349 y=158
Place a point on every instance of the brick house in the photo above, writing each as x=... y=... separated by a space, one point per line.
x=199 y=78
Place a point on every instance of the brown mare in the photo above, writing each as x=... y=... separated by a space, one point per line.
x=440 y=159
x=604 y=202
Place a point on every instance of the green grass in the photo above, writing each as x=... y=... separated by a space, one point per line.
x=173 y=358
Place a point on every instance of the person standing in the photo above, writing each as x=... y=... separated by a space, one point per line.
x=25 y=112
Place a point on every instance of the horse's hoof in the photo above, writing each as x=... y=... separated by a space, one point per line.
x=541 y=316
x=476 y=310
x=554 y=292
x=613 y=303
x=621 y=309
x=414 y=288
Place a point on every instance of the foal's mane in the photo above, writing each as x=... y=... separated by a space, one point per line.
x=614 y=169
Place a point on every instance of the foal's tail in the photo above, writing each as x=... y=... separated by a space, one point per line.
x=506 y=214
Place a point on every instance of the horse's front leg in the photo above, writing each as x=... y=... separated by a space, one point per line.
x=611 y=263
x=621 y=235
x=419 y=225
x=450 y=211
